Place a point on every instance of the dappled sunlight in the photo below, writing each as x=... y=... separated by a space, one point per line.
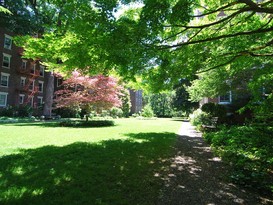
x=194 y=171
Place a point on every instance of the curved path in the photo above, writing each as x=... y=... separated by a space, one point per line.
x=196 y=177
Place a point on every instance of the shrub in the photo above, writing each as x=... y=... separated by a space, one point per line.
x=24 y=111
x=179 y=114
x=215 y=110
x=67 y=112
x=90 y=123
x=198 y=118
x=147 y=111
x=249 y=150
x=17 y=111
x=116 y=112
x=8 y=111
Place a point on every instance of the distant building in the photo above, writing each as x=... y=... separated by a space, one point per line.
x=136 y=101
x=22 y=81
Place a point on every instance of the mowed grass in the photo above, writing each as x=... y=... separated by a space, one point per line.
x=41 y=163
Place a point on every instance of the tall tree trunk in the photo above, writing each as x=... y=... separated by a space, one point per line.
x=49 y=96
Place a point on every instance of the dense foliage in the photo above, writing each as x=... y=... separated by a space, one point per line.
x=226 y=43
x=16 y=111
x=147 y=111
x=90 y=123
x=160 y=103
x=249 y=151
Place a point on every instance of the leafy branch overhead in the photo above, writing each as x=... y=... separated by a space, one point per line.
x=161 y=41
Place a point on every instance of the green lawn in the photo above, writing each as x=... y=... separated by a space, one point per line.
x=44 y=164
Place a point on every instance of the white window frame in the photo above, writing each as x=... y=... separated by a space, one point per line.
x=6 y=75
x=21 y=99
x=22 y=81
x=40 y=101
x=41 y=82
x=9 y=57
x=5 y=45
x=42 y=70
x=227 y=101
x=6 y=99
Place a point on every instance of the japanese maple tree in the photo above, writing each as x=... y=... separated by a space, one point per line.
x=95 y=93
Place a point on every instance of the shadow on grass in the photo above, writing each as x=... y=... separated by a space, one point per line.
x=110 y=172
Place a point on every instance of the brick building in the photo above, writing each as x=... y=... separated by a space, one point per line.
x=22 y=81
x=136 y=101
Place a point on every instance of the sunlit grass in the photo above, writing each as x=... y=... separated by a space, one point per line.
x=32 y=135
x=45 y=164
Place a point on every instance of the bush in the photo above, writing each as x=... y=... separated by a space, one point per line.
x=215 y=110
x=8 y=111
x=90 y=123
x=147 y=111
x=198 y=118
x=24 y=111
x=249 y=150
x=116 y=112
x=179 y=114
x=67 y=112
x=17 y=111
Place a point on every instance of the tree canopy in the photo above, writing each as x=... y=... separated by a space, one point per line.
x=162 y=41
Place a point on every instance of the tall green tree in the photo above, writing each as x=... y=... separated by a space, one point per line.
x=181 y=100
x=160 y=40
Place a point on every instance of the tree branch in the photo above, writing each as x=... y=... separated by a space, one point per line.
x=219 y=65
x=215 y=11
x=218 y=38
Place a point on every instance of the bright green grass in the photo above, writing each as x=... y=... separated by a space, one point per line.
x=44 y=164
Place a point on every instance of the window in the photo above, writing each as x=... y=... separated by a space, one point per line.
x=21 y=98
x=59 y=82
x=3 y=99
x=225 y=99
x=7 y=42
x=24 y=65
x=4 y=79
x=31 y=85
x=33 y=69
x=6 y=60
x=42 y=70
x=40 y=101
x=23 y=81
x=41 y=86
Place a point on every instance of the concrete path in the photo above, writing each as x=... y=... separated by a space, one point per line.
x=197 y=177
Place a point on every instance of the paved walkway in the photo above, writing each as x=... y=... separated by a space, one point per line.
x=196 y=177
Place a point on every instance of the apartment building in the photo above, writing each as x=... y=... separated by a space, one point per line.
x=22 y=81
x=136 y=101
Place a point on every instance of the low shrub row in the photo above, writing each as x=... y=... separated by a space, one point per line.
x=90 y=123
x=249 y=151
